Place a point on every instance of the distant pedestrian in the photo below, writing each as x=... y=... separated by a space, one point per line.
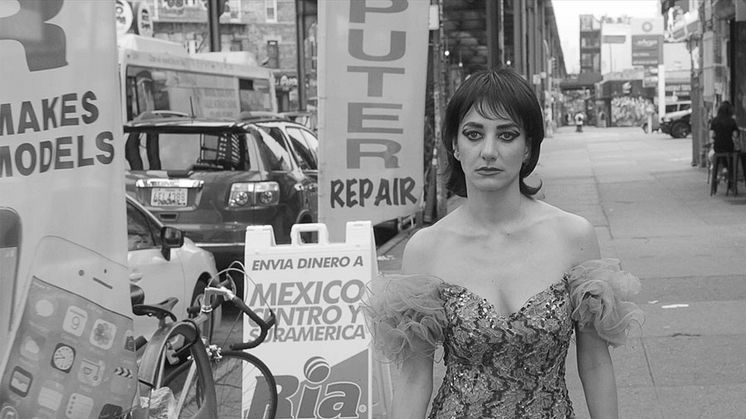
x=579 y=119
x=723 y=129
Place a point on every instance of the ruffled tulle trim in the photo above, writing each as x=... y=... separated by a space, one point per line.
x=405 y=315
x=600 y=292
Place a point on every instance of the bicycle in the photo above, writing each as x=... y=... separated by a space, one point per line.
x=241 y=380
x=155 y=393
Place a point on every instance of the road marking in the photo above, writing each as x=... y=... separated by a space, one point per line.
x=675 y=306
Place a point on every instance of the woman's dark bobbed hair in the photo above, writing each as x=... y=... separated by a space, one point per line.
x=501 y=92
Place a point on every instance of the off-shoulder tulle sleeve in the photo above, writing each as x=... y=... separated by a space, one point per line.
x=405 y=315
x=600 y=292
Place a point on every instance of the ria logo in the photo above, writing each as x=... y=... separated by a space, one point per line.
x=316 y=397
x=44 y=43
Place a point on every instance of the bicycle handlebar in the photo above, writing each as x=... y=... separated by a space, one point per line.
x=225 y=294
x=264 y=326
x=219 y=292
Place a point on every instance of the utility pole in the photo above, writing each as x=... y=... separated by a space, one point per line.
x=214 y=10
x=300 y=37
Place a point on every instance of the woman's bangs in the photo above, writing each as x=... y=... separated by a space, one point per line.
x=492 y=107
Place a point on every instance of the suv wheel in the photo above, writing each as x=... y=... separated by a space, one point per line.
x=680 y=130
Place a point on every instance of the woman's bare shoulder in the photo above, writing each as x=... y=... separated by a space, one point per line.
x=423 y=244
x=577 y=232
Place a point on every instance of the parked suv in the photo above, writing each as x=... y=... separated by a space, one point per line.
x=211 y=177
x=677 y=120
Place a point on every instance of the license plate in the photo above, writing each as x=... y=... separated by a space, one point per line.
x=168 y=197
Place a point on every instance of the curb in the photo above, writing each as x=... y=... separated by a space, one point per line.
x=396 y=240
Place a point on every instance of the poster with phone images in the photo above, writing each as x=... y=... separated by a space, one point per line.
x=64 y=289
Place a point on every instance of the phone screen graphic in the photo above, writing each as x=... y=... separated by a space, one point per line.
x=10 y=241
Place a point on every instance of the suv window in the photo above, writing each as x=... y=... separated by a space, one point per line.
x=186 y=151
x=274 y=150
x=305 y=152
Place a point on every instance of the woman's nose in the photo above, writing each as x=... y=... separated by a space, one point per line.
x=489 y=149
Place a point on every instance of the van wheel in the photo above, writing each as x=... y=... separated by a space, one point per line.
x=680 y=130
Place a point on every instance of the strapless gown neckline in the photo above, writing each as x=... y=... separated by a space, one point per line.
x=525 y=306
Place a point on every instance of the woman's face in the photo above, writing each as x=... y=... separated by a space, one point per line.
x=491 y=151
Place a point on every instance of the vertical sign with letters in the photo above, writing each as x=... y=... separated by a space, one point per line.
x=372 y=74
x=66 y=344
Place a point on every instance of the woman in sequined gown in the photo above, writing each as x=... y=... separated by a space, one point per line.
x=503 y=281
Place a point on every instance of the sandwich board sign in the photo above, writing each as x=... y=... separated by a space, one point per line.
x=319 y=349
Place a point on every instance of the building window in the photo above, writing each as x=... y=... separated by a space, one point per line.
x=589 y=42
x=273 y=54
x=271 y=9
x=614 y=39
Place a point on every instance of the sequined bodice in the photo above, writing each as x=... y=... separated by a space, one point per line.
x=505 y=366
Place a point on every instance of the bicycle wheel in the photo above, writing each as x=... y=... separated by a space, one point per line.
x=241 y=379
x=194 y=387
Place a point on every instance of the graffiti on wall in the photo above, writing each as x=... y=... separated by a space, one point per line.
x=628 y=111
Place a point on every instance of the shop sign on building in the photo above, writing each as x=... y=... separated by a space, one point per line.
x=647 y=50
x=194 y=11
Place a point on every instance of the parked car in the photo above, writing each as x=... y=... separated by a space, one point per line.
x=677 y=124
x=308 y=119
x=682 y=105
x=164 y=264
x=212 y=177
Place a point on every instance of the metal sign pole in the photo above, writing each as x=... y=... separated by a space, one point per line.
x=439 y=151
x=214 y=10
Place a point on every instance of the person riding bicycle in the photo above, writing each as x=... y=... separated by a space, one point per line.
x=579 y=119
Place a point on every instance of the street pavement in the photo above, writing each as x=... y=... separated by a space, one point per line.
x=653 y=210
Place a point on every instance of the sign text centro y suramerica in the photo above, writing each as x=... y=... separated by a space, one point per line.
x=372 y=73
x=323 y=310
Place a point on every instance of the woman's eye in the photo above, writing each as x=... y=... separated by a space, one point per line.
x=508 y=135
x=472 y=135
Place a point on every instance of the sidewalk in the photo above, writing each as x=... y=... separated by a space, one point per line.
x=653 y=211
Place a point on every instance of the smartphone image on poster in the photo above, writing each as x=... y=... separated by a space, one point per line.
x=10 y=242
x=68 y=332
x=82 y=271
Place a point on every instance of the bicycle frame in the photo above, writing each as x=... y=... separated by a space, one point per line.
x=204 y=317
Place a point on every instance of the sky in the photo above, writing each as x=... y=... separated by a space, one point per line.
x=566 y=13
